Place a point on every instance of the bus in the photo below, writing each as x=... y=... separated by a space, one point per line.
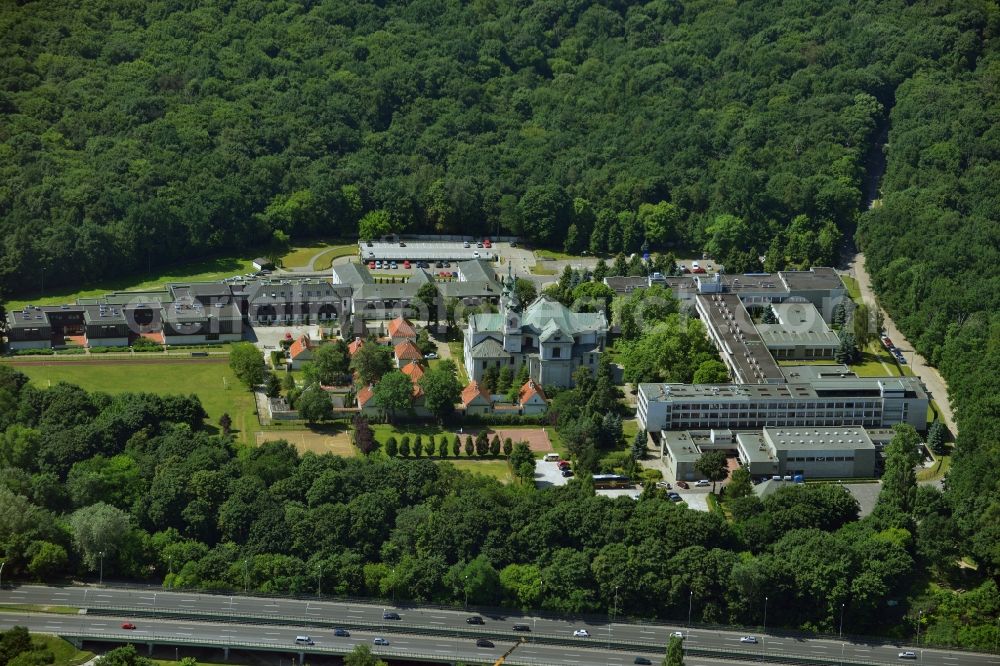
x=611 y=481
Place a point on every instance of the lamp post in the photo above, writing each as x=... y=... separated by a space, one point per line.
x=765 y=615
x=465 y=584
x=614 y=613
x=841 y=620
x=319 y=581
x=101 y=578
x=246 y=575
x=1 y=574
x=919 y=615
x=690 y=602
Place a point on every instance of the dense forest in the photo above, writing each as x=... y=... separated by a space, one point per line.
x=164 y=496
x=933 y=248
x=139 y=133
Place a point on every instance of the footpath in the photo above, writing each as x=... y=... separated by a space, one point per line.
x=932 y=379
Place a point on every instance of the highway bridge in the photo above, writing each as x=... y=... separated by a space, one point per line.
x=421 y=633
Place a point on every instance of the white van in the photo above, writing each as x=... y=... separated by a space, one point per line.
x=551 y=457
x=303 y=640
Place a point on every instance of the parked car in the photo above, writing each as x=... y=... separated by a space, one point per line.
x=476 y=254
x=447 y=264
x=343 y=633
x=406 y=264
x=466 y=244
x=664 y=484
x=431 y=355
x=393 y=266
x=567 y=473
x=371 y=264
x=390 y=615
x=563 y=465
x=907 y=654
x=482 y=642
x=487 y=243
x=439 y=264
x=749 y=639
x=378 y=264
x=128 y=625
x=380 y=641
x=674 y=497
x=402 y=244
x=698 y=270
x=702 y=483
x=454 y=274
x=475 y=619
x=581 y=633
x=683 y=484
x=479 y=244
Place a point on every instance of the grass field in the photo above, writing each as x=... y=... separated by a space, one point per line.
x=853 y=290
x=63 y=652
x=498 y=469
x=324 y=261
x=334 y=439
x=214 y=383
x=552 y=254
x=300 y=255
x=208 y=269
x=541 y=269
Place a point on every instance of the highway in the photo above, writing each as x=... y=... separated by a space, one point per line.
x=320 y=617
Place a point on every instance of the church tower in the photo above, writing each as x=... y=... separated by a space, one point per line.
x=510 y=310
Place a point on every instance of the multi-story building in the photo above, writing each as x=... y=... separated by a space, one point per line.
x=871 y=402
x=548 y=337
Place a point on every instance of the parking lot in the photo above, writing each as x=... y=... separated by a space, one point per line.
x=425 y=251
x=547 y=474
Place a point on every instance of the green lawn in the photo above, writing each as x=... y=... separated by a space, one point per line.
x=205 y=270
x=552 y=254
x=541 y=269
x=498 y=469
x=853 y=290
x=300 y=255
x=63 y=652
x=875 y=359
x=214 y=383
x=326 y=260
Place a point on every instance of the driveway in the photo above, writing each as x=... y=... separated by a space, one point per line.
x=547 y=474
x=932 y=379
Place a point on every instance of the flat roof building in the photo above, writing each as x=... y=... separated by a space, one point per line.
x=871 y=402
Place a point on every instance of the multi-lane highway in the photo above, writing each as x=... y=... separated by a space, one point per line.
x=315 y=617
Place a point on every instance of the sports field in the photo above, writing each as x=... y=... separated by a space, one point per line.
x=337 y=443
x=211 y=380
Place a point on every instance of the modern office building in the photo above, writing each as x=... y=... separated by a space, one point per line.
x=870 y=402
x=813 y=452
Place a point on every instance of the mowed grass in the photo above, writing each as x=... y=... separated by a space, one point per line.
x=498 y=469
x=853 y=290
x=205 y=270
x=300 y=256
x=324 y=261
x=213 y=382
x=63 y=652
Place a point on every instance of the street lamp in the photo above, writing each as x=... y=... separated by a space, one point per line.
x=765 y=615
x=841 y=620
x=614 y=613
x=466 y=586
x=246 y=575
x=1 y=574
x=101 y=579
x=919 y=615
x=319 y=581
x=690 y=601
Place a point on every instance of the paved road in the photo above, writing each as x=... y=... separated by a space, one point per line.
x=296 y=614
x=936 y=385
x=271 y=637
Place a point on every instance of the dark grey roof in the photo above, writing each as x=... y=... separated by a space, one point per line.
x=103 y=314
x=489 y=348
x=27 y=318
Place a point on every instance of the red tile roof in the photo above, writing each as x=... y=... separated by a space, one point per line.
x=529 y=389
x=470 y=392
x=400 y=328
x=414 y=371
x=407 y=351
x=365 y=394
x=299 y=346
x=355 y=346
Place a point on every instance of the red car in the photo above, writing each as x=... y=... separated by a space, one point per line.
x=406 y=264
x=487 y=243
x=128 y=625
x=563 y=465
x=371 y=265
x=683 y=484
x=699 y=269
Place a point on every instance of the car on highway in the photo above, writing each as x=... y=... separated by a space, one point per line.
x=390 y=615
x=380 y=641
x=465 y=244
x=304 y=640
x=581 y=633
x=343 y=633
x=749 y=639
x=907 y=654
x=475 y=619
x=128 y=625
x=683 y=484
x=522 y=627
x=483 y=642
x=642 y=660
x=476 y=254
x=677 y=634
